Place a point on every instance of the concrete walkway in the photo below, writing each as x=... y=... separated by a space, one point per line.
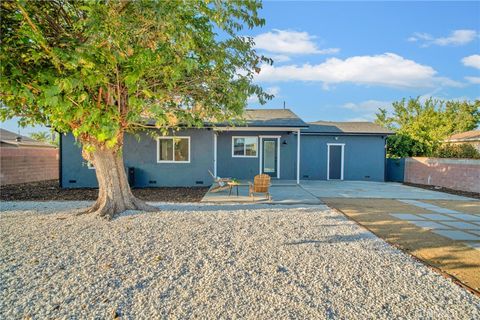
x=453 y=224
x=373 y=190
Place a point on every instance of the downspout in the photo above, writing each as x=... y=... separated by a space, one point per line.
x=298 y=156
x=60 y=175
x=215 y=154
x=384 y=158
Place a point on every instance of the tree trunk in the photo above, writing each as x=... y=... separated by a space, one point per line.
x=114 y=194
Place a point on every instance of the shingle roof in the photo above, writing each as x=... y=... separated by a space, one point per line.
x=465 y=136
x=326 y=127
x=260 y=118
x=9 y=137
x=273 y=118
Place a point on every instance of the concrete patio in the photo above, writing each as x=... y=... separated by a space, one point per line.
x=311 y=192
x=372 y=190
x=282 y=192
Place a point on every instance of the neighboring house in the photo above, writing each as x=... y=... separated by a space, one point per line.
x=23 y=159
x=272 y=141
x=469 y=137
x=10 y=139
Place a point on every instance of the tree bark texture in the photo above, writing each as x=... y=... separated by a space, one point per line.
x=114 y=194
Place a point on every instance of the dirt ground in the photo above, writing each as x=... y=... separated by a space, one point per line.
x=50 y=190
x=446 y=190
x=451 y=257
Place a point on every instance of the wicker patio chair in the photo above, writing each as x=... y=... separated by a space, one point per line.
x=261 y=184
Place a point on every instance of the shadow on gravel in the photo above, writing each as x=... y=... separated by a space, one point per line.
x=332 y=239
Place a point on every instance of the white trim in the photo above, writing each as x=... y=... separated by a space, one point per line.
x=298 y=156
x=278 y=153
x=215 y=154
x=244 y=146
x=328 y=159
x=171 y=138
x=255 y=129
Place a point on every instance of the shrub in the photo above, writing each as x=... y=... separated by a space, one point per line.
x=464 y=150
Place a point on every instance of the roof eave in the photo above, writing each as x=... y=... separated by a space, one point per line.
x=349 y=133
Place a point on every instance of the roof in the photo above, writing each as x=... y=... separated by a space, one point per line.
x=271 y=118
x=18 y=140
x=472 y=135
x=329 y=127
x=283 y=118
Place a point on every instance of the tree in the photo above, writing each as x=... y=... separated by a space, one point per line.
x=462 y=150
x=420 y=127
x=100 y=69
x=46 y=137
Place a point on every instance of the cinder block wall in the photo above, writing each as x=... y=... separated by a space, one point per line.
x=20 y=165
x=457 y=174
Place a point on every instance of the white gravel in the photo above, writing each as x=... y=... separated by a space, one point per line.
x=207 y=261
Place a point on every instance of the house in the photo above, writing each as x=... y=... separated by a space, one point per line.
x=272 y=141
x=10 y=139
x=23 y=159
x=470 y=137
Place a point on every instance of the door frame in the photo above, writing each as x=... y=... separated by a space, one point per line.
x=261 y=153
x=328 y=159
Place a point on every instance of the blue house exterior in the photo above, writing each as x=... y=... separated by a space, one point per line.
x=275 y=142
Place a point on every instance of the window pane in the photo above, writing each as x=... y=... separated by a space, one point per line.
x=165 y=150
x=250 y=146
x=238 y=146
x=181 y=149
x=269 y=155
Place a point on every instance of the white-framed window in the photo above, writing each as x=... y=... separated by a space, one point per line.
x=173 y=150
x=244 y=147
x=88 y=164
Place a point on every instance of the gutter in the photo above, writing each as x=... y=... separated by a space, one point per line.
x=346 y=134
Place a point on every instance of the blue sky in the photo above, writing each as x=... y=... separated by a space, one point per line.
x=340 y=61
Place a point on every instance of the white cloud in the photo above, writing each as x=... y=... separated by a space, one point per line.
x=361 y=119
x=253 y=99
x=456 y=38
x=474 y=80
x=280 y=58
x=387 y=69
x=367 y=109
x=289 y=42
x=368 y=105
x=472 y=61
x=273 y=90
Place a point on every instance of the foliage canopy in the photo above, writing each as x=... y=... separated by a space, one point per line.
x=102 y=68
x=420 y=127
x=47 y=137
x=462 y=150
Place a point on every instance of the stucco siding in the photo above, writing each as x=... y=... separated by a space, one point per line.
x=141 y=154
x=74 y=170
x=364 y=157
x=247 y=168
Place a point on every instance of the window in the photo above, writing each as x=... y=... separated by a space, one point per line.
x=244 y=147
x=173 y=149
x=88 y=164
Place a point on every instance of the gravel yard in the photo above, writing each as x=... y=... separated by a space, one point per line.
x=208 y=261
